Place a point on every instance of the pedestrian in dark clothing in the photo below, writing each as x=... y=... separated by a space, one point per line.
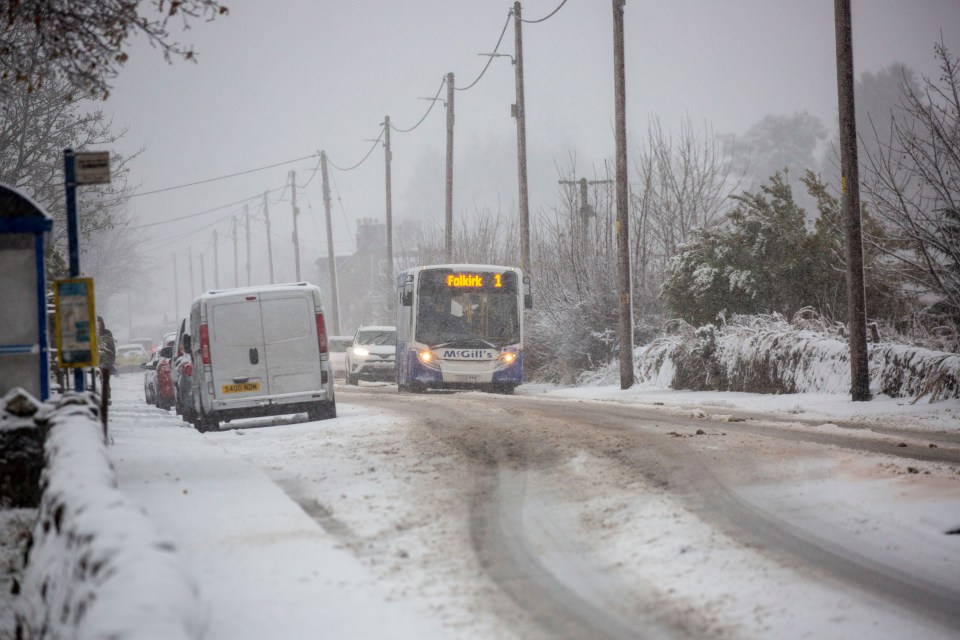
x=107 y=346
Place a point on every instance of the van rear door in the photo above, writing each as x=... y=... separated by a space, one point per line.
x=290 y=342
x=236 y=348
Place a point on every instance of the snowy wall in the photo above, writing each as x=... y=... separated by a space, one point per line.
x=97 y=567
x=767 y=354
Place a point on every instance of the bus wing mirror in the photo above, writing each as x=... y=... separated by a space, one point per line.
x=527 y=295
x=406 y=291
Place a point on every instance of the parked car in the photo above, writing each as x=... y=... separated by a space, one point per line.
x=147 y=343
x=182 y=372
x=338 y=346
x=166 y=397
x=130 y=357
x=373 y=355
x=260 y=351
x=150 y=378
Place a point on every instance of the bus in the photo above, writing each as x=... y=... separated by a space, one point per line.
x=460 y=326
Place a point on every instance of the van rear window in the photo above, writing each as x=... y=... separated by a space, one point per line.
x=287 y=319
x=236 y=324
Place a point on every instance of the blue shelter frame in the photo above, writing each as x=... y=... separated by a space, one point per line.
x=24 y=225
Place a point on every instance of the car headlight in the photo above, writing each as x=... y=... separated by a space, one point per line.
x=360 y=351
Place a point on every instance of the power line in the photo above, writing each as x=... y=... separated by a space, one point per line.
x=489 y=60
x=550 y=15
x=232 y=175
x=432 y=100
x=363 y=159
x=312 y=175
x=200 y=213
x=154 y=245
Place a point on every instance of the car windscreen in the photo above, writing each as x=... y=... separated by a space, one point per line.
x=377 y=336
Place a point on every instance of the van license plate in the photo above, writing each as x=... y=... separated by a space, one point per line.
x=240 y=387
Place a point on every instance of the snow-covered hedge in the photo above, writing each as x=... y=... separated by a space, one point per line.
x=767 y=354
x=97 y=568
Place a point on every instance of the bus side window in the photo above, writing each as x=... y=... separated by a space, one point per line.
x=527 y=295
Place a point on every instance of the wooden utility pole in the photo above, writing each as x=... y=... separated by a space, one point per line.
x=246 y=215
x=586 y=211
x=190 y=271
x=266 y=216
x=331 y=257
x=176 y=289
x=296 y=212
x=448 y=236
x=216 y=262
x=203 y=276
x=236 y=258
x=387 y=158
x=521 y=141
x=623 y=229
x=850 y=187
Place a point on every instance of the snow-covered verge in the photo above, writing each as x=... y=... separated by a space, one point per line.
x=767 y=354
x=97 y=567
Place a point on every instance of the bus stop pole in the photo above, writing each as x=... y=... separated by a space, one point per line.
x=73 y=235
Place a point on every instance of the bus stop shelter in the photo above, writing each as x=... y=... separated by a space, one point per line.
x=24 y=353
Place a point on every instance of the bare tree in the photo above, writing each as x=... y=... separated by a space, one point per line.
x=573 y=326
x=112 y=256
x=84 y=40
x=485 y=237
x=912 y=184
x=686 y=180
x=684 y=183
x=35 y=128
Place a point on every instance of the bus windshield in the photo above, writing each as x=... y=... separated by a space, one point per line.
x=455 y=307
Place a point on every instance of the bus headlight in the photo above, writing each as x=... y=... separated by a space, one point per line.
x=509 y=357
x=426 y=356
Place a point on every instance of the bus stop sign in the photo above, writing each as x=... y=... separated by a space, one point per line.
x=92 y=167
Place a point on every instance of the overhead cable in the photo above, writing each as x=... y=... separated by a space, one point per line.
x=159 y=243
x=546 y=17
x=364 y=158
x=205 y=211
x=433 y=101
x=232 y=175
x=487 y=66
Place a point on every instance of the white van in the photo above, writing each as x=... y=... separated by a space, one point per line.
x=260 y=351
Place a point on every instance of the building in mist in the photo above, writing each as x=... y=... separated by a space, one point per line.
x=362 y=281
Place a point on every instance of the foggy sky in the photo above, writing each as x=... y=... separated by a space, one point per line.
x=277 y=81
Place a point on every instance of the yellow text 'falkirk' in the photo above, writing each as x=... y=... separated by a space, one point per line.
x=464 y=280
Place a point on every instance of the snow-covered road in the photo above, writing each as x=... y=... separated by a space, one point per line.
x=477 y=516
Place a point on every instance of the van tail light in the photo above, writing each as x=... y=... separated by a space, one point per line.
x=204 y=344
x=322 y=333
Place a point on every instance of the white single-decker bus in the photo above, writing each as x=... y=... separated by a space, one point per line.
x=460 y=326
